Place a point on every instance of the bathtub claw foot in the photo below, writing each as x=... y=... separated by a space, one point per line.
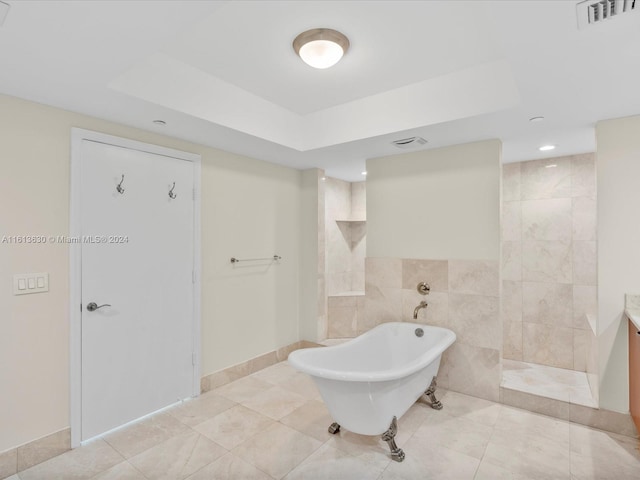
x=431 y=393
x=389 y=436
x=334 y=428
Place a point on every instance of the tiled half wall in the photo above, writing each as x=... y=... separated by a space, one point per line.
x=465 y=297
x=549 y=261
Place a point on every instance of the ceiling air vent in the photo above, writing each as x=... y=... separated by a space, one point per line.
x=409 y=142
x=592 y=12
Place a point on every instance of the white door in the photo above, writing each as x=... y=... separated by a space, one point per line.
x=137 y=257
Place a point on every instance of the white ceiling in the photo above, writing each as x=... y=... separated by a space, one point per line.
x=224 y=74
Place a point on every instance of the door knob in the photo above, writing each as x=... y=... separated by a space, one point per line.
x=94 y=306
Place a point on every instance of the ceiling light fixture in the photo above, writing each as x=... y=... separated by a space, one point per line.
x=321 y=47
x=364 y=173
x=536 y=119
x=546 y=148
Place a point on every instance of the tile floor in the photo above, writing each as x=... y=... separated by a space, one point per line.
x=557 y=383
x=273 y=425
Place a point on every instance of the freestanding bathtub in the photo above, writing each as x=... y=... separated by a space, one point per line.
x=369 y=382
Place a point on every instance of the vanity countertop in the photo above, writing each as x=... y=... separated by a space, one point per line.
x=632 y=309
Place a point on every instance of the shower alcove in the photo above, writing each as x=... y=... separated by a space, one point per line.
x=549 y=284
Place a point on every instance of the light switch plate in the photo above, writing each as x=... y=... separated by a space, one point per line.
x=26 y=283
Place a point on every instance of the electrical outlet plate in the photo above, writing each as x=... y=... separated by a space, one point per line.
x=27 y=283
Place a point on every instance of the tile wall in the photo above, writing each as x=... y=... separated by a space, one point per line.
x=345 y=235
x=549 y=261
x=465 y=297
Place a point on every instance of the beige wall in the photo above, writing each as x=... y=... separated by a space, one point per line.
x=249 y=208
x=549 y=260
x=618 y=169
x=437 y=204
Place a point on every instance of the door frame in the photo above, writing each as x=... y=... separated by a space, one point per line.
x=79 y=135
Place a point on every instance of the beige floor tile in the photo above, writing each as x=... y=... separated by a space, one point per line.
x=232 y=427
x=178 y=457
x=229 y=467
x=456 y=433
x=275 y=402
x=79 y=464
x=518 y=427
x=487 y=471
x=277 y=450
x=121 y=471
x=147 y=433
x=327 y=463
x=276 y=374
x=201 y=409
x=533 y=460
x=425 y=460
x=312 y=419
x=302 y=384
x=597 y=454
x=413 y=419
x=471 y=408
x=370 y=449
x=243 y=389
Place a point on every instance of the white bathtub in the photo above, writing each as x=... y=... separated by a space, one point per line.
x=367 y=381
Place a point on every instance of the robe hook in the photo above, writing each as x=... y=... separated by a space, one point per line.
x=119 y=187
x=172 y=195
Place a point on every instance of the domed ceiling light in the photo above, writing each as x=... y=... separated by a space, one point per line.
x=321 y=47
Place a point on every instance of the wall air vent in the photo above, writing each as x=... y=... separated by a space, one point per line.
x=410 y=142
x=592 y=12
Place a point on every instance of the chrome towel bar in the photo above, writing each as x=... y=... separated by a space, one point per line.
x=275 y=258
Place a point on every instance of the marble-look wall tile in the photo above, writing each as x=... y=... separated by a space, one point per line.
x=358 y=199
x=511 y=182
x=585 y=263
x=512 y=221
x=475 y=320
x=584 y=219
x=511 y=301
x=538 y=181
x=580 y=349
x=472 y=370
x=512 y=261
x=547 y=345
x=583 y=175
x=434 y=272
x=383 y=272
x=548 y=219
x=43 y=449
x=342 y=322
x=436 y=313
x=475 y=277
x=381 y=305
x=585 y=302
x=512 y=340
x=544 y=261
x=547 y=303
x=8 y=463
x=342 y=301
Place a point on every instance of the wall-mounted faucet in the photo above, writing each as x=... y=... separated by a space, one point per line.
x=422 y=305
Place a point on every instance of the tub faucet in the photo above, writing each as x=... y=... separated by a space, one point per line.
x=422 y=305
